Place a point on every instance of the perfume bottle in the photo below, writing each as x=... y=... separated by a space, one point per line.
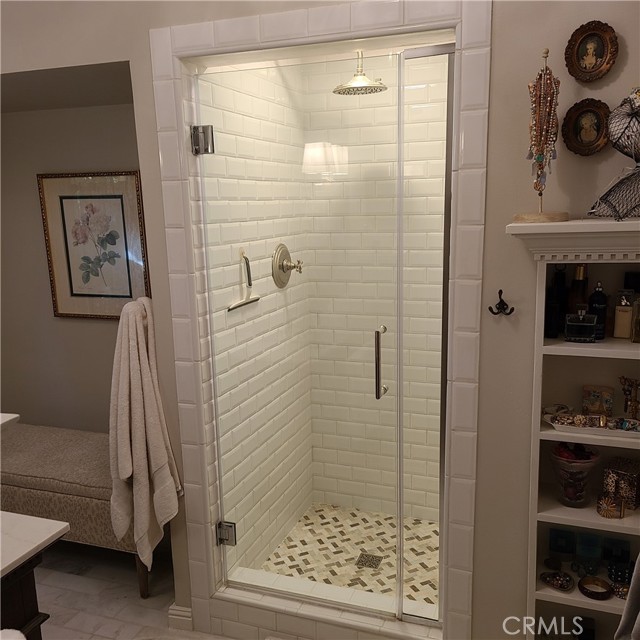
x=622 y=326
x=555 y=304
x=578 y=291
x=598 y=307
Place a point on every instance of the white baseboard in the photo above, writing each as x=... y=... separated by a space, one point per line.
x=180 y=618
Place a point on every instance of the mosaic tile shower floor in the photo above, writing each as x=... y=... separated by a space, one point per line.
x=327 y=541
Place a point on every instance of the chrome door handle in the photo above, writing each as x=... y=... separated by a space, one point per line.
x=381 y=389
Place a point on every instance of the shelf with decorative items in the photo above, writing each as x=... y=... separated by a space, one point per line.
x=574 y=598
x=551 y=510
x=585 y=408
x=593 y=437
x=607 y=348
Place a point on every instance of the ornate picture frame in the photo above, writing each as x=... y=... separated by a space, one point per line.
x=585 y=128
x=591 y=51
x=94 y=235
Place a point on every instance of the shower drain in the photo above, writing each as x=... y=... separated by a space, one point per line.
x=368 y=560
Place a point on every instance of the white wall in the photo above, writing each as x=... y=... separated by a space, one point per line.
x=520 y=31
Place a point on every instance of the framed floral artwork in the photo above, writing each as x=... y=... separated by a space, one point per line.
x=94 y=234
x=591 y=51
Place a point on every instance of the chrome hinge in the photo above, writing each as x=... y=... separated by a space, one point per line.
x=226 y=533
x=201 y=139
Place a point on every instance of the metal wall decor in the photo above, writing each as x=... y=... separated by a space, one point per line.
x=591 y=51
x=502 y=308
x=585 y=128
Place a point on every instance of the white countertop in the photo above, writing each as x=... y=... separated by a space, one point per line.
x=24 y=536
x=8 y=418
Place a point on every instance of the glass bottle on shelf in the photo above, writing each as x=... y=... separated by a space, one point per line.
x=622 y=326
x=598 y=307
x=555 y=303
x=578 y=291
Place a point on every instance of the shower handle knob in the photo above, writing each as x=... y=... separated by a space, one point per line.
x=289 y=265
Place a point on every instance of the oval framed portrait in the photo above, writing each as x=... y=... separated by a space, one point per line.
x=585 y=128
x=591 y=51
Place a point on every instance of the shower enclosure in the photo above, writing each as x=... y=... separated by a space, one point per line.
x=328 y=368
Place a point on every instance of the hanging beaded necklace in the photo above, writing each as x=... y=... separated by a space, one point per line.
x=543 y=129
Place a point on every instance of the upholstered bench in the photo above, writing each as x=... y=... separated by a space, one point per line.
x=63 y=474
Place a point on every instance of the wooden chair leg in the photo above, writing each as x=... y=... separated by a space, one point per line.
x=143 y=578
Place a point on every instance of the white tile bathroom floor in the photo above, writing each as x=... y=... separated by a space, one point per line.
x=92 y=594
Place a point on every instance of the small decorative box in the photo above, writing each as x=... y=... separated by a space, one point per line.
x=580 y=327
x=622 y=480
x=597 y=399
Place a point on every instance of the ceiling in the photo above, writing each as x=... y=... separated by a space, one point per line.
x=66 y=87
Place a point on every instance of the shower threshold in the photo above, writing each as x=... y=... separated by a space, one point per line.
x=319 y=559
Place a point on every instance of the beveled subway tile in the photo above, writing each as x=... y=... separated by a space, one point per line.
x=471 y=196
x=464 y=406
x=460 y=547
x=467 y=298
x=466 y=355
x=174 y=196
x=375 y=15
x=200 y=614
x=462 y=501
x=476 y=24
x=416 y=11
x=469 y=252
x=161 y=57
x=463 y=455
x=192 y=37
x=473 y=138
x=166 y=119
x=169 y=155
x=237 y=31
x=459 y=590
x=474 y=92
x=283 y=26
x=330 y=19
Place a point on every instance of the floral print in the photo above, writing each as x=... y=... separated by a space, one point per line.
x=92 y=225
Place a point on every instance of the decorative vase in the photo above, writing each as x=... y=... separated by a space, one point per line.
x=573 y=467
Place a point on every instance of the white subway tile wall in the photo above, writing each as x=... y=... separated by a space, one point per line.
x=254 y=198
x=295 y=370
x=472 y=22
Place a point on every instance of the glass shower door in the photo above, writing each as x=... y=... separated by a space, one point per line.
x=424 y=254
x=305 y=374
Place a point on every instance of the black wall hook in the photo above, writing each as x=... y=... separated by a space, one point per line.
x=502 y=307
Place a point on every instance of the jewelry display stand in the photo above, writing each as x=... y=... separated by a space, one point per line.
x=543 y=131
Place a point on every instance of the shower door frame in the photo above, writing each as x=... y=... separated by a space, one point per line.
x=411 y=52
x=173 y=73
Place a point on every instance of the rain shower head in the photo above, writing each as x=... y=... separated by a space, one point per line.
x=360 y=85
